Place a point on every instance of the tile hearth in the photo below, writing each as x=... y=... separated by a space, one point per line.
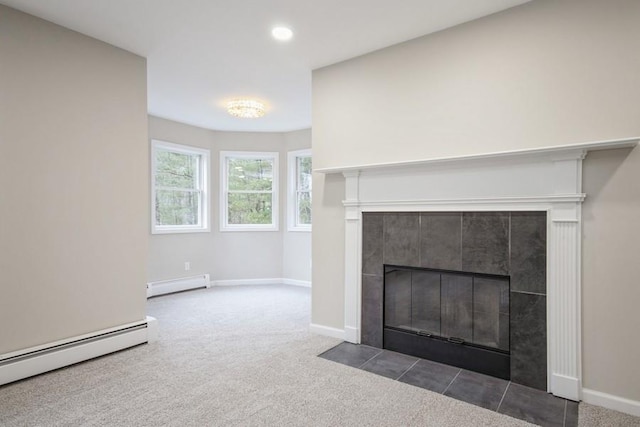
x=498 y=395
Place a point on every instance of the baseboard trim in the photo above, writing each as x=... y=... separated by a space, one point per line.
x=295 y=282
x=620 y=404
x=565 y=387
x=32 y=361
x=352 y=335
x=326 y=331
x=240 y=282
x=264 y=281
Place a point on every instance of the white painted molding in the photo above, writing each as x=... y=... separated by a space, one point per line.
x=327 y=331
x=565 y=386
x=295 y=282
x=32 y=361
x=263 y=281
x=456 y=202
x=621 y=404
x=240 y=282
x=555 y=153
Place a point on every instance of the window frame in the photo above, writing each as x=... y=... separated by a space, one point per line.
x=274 y=156
x=203 y=225
x=292 y=199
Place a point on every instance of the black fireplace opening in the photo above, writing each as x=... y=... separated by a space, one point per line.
x=454 y=317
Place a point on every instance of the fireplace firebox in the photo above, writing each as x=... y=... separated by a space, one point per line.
x=455 y=317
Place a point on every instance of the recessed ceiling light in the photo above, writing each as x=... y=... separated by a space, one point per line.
x=282 y=33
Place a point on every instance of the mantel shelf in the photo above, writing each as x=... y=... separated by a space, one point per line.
x=580 y=149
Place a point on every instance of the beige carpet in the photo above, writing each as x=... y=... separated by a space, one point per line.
x=237 y=356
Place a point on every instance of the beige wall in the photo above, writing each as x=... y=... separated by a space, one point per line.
x=73 y=183
x=611 y=272
x=296 y=245
x=542 y=74
x=229 y=255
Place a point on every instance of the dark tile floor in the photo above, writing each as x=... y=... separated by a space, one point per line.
x=505 y=397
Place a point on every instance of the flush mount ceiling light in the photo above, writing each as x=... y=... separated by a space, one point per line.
x=245 y=108
x=282 y=33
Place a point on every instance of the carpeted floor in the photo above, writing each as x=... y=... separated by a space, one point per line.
x=238 y=356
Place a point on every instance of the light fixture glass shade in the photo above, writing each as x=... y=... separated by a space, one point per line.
x=245 y=108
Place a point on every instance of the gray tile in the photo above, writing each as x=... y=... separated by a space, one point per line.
x=477 y=389
x=372 y=226
x=350 y=354
x=440 y=240
x=389 y=364
x=401 y=238
x=430 y=375
x=485 y=242
x=529 y=252
x=372 y=310
x=457 y=306
x=529 y=340
x=534 y=406
x=571 y=414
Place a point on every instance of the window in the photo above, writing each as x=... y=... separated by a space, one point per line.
x=179 y=177
x=299 y=201
x=249 y=196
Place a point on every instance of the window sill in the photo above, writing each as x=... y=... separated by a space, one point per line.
x=179 y=230
x=248 y=227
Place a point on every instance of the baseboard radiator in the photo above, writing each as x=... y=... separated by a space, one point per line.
x=37 y=360
x=176 y=285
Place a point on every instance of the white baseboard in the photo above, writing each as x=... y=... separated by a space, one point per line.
x=327 y=331
x=163 y=287
x=240 y=282
x=351 y=335
x=295 y=282
x=32 y=361
x=265 y=281
x=565 y=387
x=620 y=404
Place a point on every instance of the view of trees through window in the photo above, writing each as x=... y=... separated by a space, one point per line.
x=177 y=194
x=250 y=190
x=303 y=190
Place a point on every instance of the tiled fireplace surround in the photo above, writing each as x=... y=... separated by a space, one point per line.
x=488 y=191
x=503 y=243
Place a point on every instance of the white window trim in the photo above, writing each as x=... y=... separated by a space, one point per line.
x=292 y=208
x=203 y=227
x=275 y=211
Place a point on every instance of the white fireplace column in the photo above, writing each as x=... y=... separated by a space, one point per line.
x=353 y=258
x=564 y=281
x=546 y=179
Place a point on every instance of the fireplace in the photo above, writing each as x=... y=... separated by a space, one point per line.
x=495 y=262
x=547 y=180
x=453 y=317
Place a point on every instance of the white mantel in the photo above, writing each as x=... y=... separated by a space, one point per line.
x=544 y=179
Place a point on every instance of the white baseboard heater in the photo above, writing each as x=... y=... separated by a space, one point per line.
x=37 y=360
x=176 y=285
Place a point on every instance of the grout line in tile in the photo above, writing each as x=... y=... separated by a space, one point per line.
x=564 y=420
x=454 y=378
x=408 y=369
x=371 y=358
x=503 y=395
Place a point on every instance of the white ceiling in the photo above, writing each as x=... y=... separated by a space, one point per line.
x=200 y=53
